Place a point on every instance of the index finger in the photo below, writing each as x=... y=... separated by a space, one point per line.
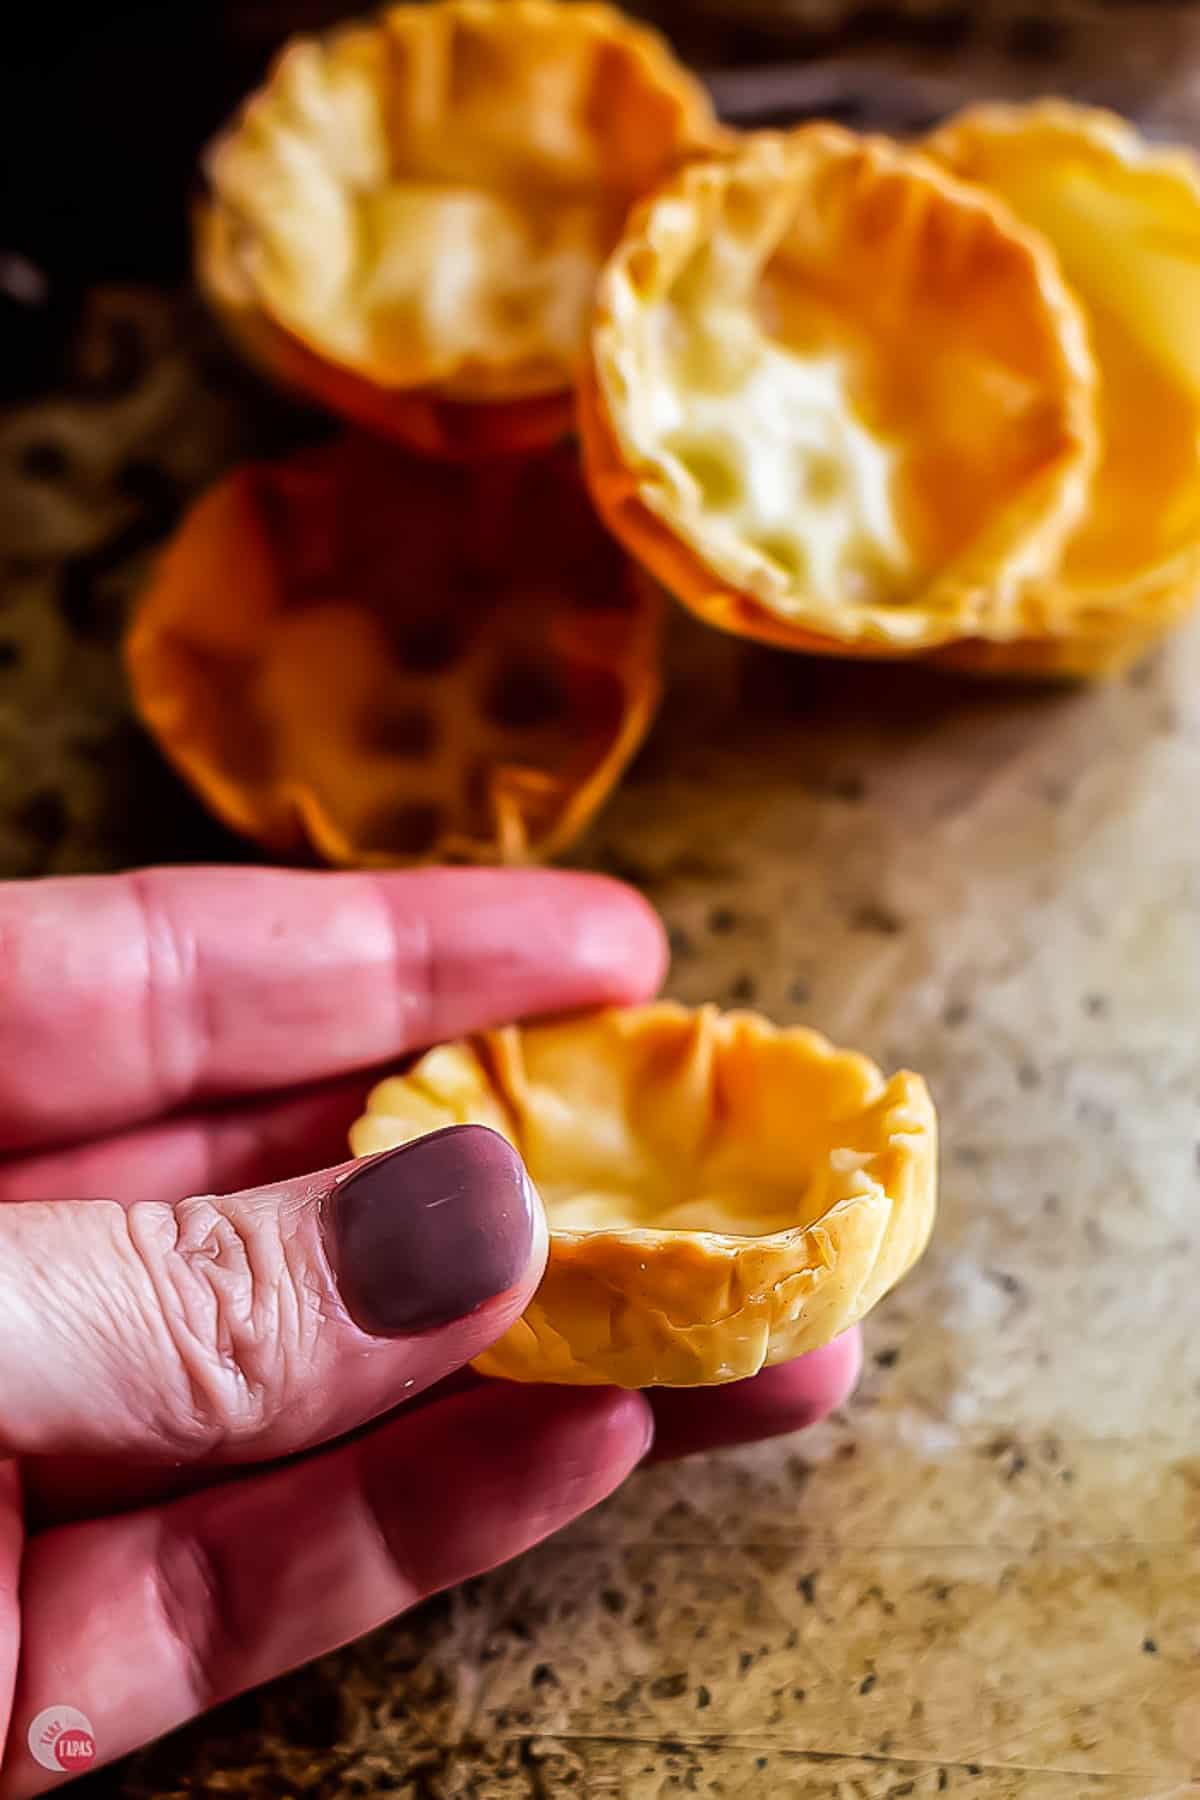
x=125 y=996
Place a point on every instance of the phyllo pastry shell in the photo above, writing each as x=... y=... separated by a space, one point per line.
x=373 y=659
x=408 y=218
x=838 y=400
x=721 y=1194
x=1124 y=220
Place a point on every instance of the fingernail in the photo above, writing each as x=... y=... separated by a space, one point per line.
x=427 y=1233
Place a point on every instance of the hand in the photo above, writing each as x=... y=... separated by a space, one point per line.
x=209 y=1032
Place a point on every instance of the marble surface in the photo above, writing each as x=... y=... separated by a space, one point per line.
x=984 y=1578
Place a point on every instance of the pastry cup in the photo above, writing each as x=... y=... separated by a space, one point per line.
x=721 y=1194
x=1124 y=220
x=407 y=220
x=837 y=400
x=373 y=659
x=1096 y=656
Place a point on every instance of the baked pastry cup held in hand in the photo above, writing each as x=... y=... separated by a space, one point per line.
x=721 y=1194
x=374 y=659
x=407 y=220
x=837 y=400
x=1124 y=219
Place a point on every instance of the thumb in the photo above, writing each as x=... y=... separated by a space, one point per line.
x=254 y=1324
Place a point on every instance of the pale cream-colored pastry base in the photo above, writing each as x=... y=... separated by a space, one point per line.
x=721 y=1194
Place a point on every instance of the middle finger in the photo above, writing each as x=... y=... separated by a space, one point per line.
x=214 y=1152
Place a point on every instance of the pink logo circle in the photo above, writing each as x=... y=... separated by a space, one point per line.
x=61 y=1739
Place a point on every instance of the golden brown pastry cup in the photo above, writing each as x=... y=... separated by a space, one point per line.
x=406 y=220
x=922 y=331
x=371 y=659
x=721 y=1194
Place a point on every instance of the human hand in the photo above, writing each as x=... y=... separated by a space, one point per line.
x=205 y=1032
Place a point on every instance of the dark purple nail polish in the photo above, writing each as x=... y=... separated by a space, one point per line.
x=428 y=1232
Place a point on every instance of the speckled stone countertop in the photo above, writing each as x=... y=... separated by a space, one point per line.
x=984 y=1578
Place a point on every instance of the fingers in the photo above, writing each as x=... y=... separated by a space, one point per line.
x=143 y=1621
x=127 y=996
x=247 y=1327
x=219 y=1151
x=786 y=1398
x=781 y=1400
x=223 y=1589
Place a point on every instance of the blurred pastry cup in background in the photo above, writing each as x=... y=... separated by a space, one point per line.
x=1123 y=218
x=837 y=399
x=722 y=1194
x=407 y=220
x=371 y=659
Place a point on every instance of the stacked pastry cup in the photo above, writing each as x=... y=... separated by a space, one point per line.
x=939 y=401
